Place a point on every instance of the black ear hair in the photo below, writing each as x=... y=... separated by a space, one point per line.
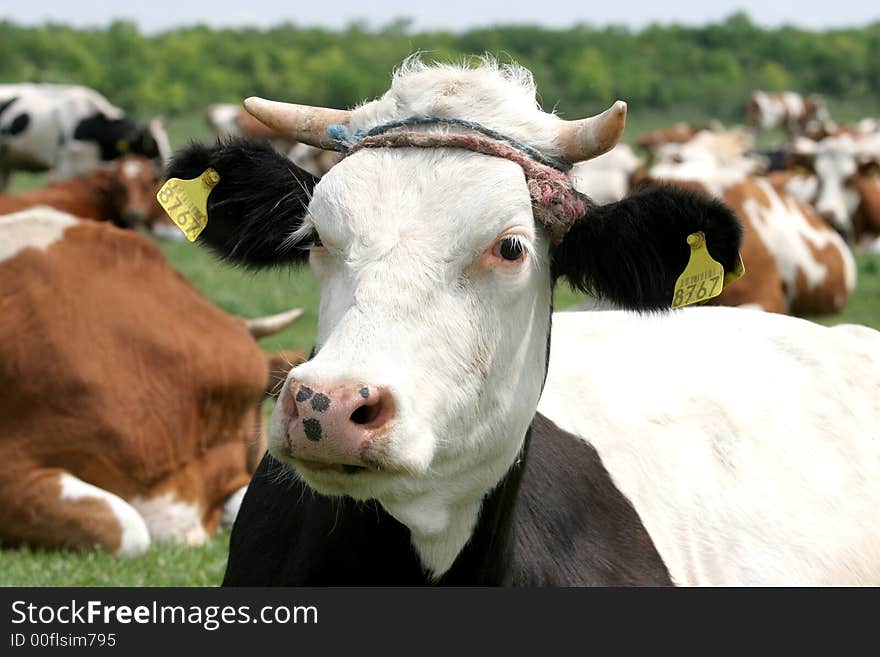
x=633 y=251
x=260 y=200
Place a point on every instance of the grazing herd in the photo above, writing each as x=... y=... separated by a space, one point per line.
x=448 y=427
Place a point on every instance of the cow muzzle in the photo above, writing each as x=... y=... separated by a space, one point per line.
x=340 y=425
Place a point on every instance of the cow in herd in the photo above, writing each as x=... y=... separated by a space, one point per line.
x=122 y=192
x=786 y=109
x=131 y=405
x=796 y=262
x=450 y=429
x=69 y=129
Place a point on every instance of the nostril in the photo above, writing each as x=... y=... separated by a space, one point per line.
x=366 y=413
x=374 y=412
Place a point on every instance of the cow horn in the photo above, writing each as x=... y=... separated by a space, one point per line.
x=588 y=138
x=264 y=326
x=298 y=122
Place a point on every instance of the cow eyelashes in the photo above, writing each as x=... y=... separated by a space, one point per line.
x=510 y=248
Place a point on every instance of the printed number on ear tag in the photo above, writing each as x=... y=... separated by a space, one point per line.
x=702 y=279
x=186 y=201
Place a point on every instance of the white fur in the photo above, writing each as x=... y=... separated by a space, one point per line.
x=231 y=507
x=835 y=164
x=132 y=169
x=36 y=228
x=170 y=519
x=135 y=536
x=605 y=179
x=747 y=442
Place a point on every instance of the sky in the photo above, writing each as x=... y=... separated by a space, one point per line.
x=157 y=15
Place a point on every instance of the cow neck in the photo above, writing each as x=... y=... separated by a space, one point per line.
x=487 y=555
x=490 y=547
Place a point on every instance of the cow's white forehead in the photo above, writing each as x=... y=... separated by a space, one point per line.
x=501 y=97
x=447 y=200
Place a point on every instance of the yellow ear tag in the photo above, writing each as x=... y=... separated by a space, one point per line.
x=186 y=202
x=121 y=146
x=702 y=279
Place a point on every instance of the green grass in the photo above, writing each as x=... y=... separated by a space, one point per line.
x=250 y=295
x=163 y=565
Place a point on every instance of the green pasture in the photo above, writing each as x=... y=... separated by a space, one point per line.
x=250 y=295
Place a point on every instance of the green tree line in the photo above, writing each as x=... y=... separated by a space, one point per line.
x=578 y=70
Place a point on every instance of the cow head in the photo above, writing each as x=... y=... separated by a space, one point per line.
x=131 y=184
x=436 y=286
x=834 y=163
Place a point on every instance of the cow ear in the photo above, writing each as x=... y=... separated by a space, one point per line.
x=632 y=252
x=258 y=204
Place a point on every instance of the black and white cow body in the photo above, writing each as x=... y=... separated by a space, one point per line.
x=68 y=128
x=555 y=519
x=443 y=432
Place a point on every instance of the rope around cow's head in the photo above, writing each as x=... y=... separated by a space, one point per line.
x=556 y=204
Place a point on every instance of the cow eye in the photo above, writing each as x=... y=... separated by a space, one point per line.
x=510 y=248
x=316 y=242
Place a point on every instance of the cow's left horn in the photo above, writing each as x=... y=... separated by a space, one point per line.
x=264 y=326
x=588 y=138
x=298 y=122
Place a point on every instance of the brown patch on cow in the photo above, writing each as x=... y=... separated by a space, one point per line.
x=115 y=369
x=866 y=221
x=762 y=283
x=829 y=296
x=39 y=517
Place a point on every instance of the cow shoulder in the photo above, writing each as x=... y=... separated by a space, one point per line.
x=572 y=524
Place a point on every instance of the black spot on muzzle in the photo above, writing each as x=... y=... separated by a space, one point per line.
x=312 y=428
x=320 y=402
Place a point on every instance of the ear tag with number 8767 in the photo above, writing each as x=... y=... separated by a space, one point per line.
x=186 y=201
x=703 y=278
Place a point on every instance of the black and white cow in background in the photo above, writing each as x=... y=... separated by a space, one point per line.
x=422 y=443
x=70 y=129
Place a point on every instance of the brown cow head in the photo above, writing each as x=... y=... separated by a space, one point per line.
x=134 y=181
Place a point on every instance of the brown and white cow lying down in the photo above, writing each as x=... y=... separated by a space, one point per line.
x=122 y=193
x=442 y=432
x=795 y=262
x=130 y=410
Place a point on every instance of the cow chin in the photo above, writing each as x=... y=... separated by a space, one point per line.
x=402 y=456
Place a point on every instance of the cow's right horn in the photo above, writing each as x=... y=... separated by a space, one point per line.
x=301 y=123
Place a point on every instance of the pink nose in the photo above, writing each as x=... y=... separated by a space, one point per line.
x=335 y=423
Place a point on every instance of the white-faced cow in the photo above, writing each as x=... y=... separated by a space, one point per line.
x=70 y=129
x=130 y=410
x=442 y=432
x=840 y=177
